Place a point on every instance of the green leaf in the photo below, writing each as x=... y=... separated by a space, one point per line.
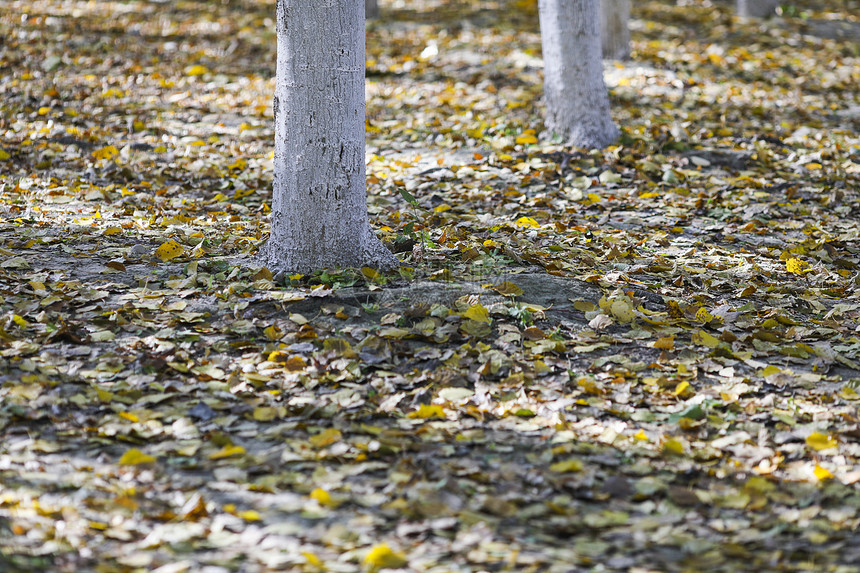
x=409 y=198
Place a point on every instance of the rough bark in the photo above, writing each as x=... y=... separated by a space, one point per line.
x=756 y=8
x=371 y=8
x=614 y=29
x=577 y=101
x=319 y=206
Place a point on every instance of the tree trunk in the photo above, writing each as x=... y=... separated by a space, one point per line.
x=319 y=205
x=756 y=8
x=371 y=8
x=614 y=31
x=577 y=103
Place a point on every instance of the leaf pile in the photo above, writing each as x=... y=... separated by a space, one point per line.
x=640 y=357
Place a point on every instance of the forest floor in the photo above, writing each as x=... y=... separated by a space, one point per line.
x=644 y=358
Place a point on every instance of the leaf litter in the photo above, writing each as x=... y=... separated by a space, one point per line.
x=640 y=357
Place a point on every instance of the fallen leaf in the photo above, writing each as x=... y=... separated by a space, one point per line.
x=428 y=411
x=478 y=313
x=169 y=250
x=822 y=473
x=818 y=441
x=135 y=457
x=507 y=288
x=196 y=70
x=228 y=451
x=567 y=466
x=325 y=438
x=383 y=557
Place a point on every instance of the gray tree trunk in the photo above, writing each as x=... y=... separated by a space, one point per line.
x=371 y=8
x=319 y=207
x=614 y=30
x=577 y=103
x=756 y=8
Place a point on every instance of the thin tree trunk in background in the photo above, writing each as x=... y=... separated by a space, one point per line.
x=614 y=29
x=577 y=102
x=756 y=8
x=319 y=205
x=371 y=8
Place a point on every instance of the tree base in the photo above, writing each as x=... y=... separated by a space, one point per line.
x=594 y=136
x=289 y=256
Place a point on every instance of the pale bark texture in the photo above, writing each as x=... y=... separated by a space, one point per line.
x=614 y=29
x=756 y=8
x=319 y=205
x=577 y=102
x=371 y=8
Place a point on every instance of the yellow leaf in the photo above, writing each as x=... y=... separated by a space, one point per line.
x=507 y=288
x=849 y=393
x=674 y=446
x=135 y=457
x=822 y=473
x=112 y=231
x=641 y=436
x=590 y=386
x=273 y=332
x=664 y=343
x=325 y=438
x=383 y=557
x=526 y=138
x=226 y=452
x=770 y=371
x=106 y=152
x=428 y=411
x=622 y=310
x=818 y=441
x=239 y=164
x=4 y=155
x=702 y=338
x=323 y=497
x=169 y=250
x=702 y=315
x=249 y=515
x=680 y=388
x=526 y=222
x=265 y=413
x=594 y=197
x=477 y=312
x=313 y=560
x=566 y=466
x=196 y=70
x=796 y=266
x=812 y=166
x=129 y=416
x=370 y=273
